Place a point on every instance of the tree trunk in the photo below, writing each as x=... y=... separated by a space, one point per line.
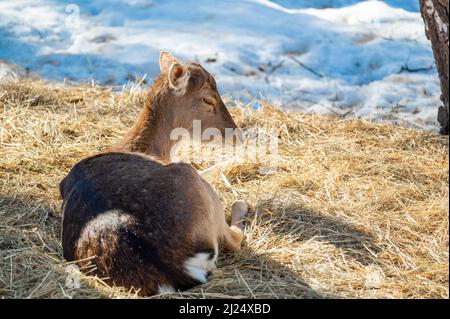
x=435 y=16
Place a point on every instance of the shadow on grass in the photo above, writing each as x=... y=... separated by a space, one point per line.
x=260 y=276
x=20 y=214
x=29 y=247
x=307 y=224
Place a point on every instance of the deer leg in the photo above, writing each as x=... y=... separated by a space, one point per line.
x=239 y=210
x=233 y=235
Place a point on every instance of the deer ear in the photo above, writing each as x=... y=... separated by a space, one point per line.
x=165 y=61
x=178 y=77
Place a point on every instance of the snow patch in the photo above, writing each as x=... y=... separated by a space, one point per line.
x=345 y=57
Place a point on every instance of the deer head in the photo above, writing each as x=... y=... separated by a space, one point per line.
x=183 y=94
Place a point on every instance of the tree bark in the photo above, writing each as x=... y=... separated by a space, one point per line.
x=435 y=17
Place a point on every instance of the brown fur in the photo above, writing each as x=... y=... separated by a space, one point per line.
x=164 y=111
x=174 y=215
x=134 y=220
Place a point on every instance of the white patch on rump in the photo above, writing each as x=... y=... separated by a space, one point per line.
x=109 y=220
x=165 y=289
x=199 y=265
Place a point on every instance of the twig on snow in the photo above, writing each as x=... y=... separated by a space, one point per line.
x=306 y=67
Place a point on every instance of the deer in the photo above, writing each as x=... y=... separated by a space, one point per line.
x=135 y=218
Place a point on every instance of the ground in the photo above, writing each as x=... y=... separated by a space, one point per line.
x=354 y=209
x=369 y=59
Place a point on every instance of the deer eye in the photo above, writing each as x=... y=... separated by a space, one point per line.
x=210 y=103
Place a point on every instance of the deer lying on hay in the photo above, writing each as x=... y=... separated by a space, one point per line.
x=140 y=221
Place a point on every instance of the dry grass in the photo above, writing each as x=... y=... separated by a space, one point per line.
x=356 y=210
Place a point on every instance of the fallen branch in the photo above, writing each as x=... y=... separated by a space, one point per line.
x=408 y=69
x=306 y=67
x=273 y=69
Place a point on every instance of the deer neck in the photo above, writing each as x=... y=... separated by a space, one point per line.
x=150 y=134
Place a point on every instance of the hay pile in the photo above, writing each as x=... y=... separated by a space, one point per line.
x=355 y=210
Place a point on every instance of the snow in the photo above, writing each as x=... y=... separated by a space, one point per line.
x=344 y=57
